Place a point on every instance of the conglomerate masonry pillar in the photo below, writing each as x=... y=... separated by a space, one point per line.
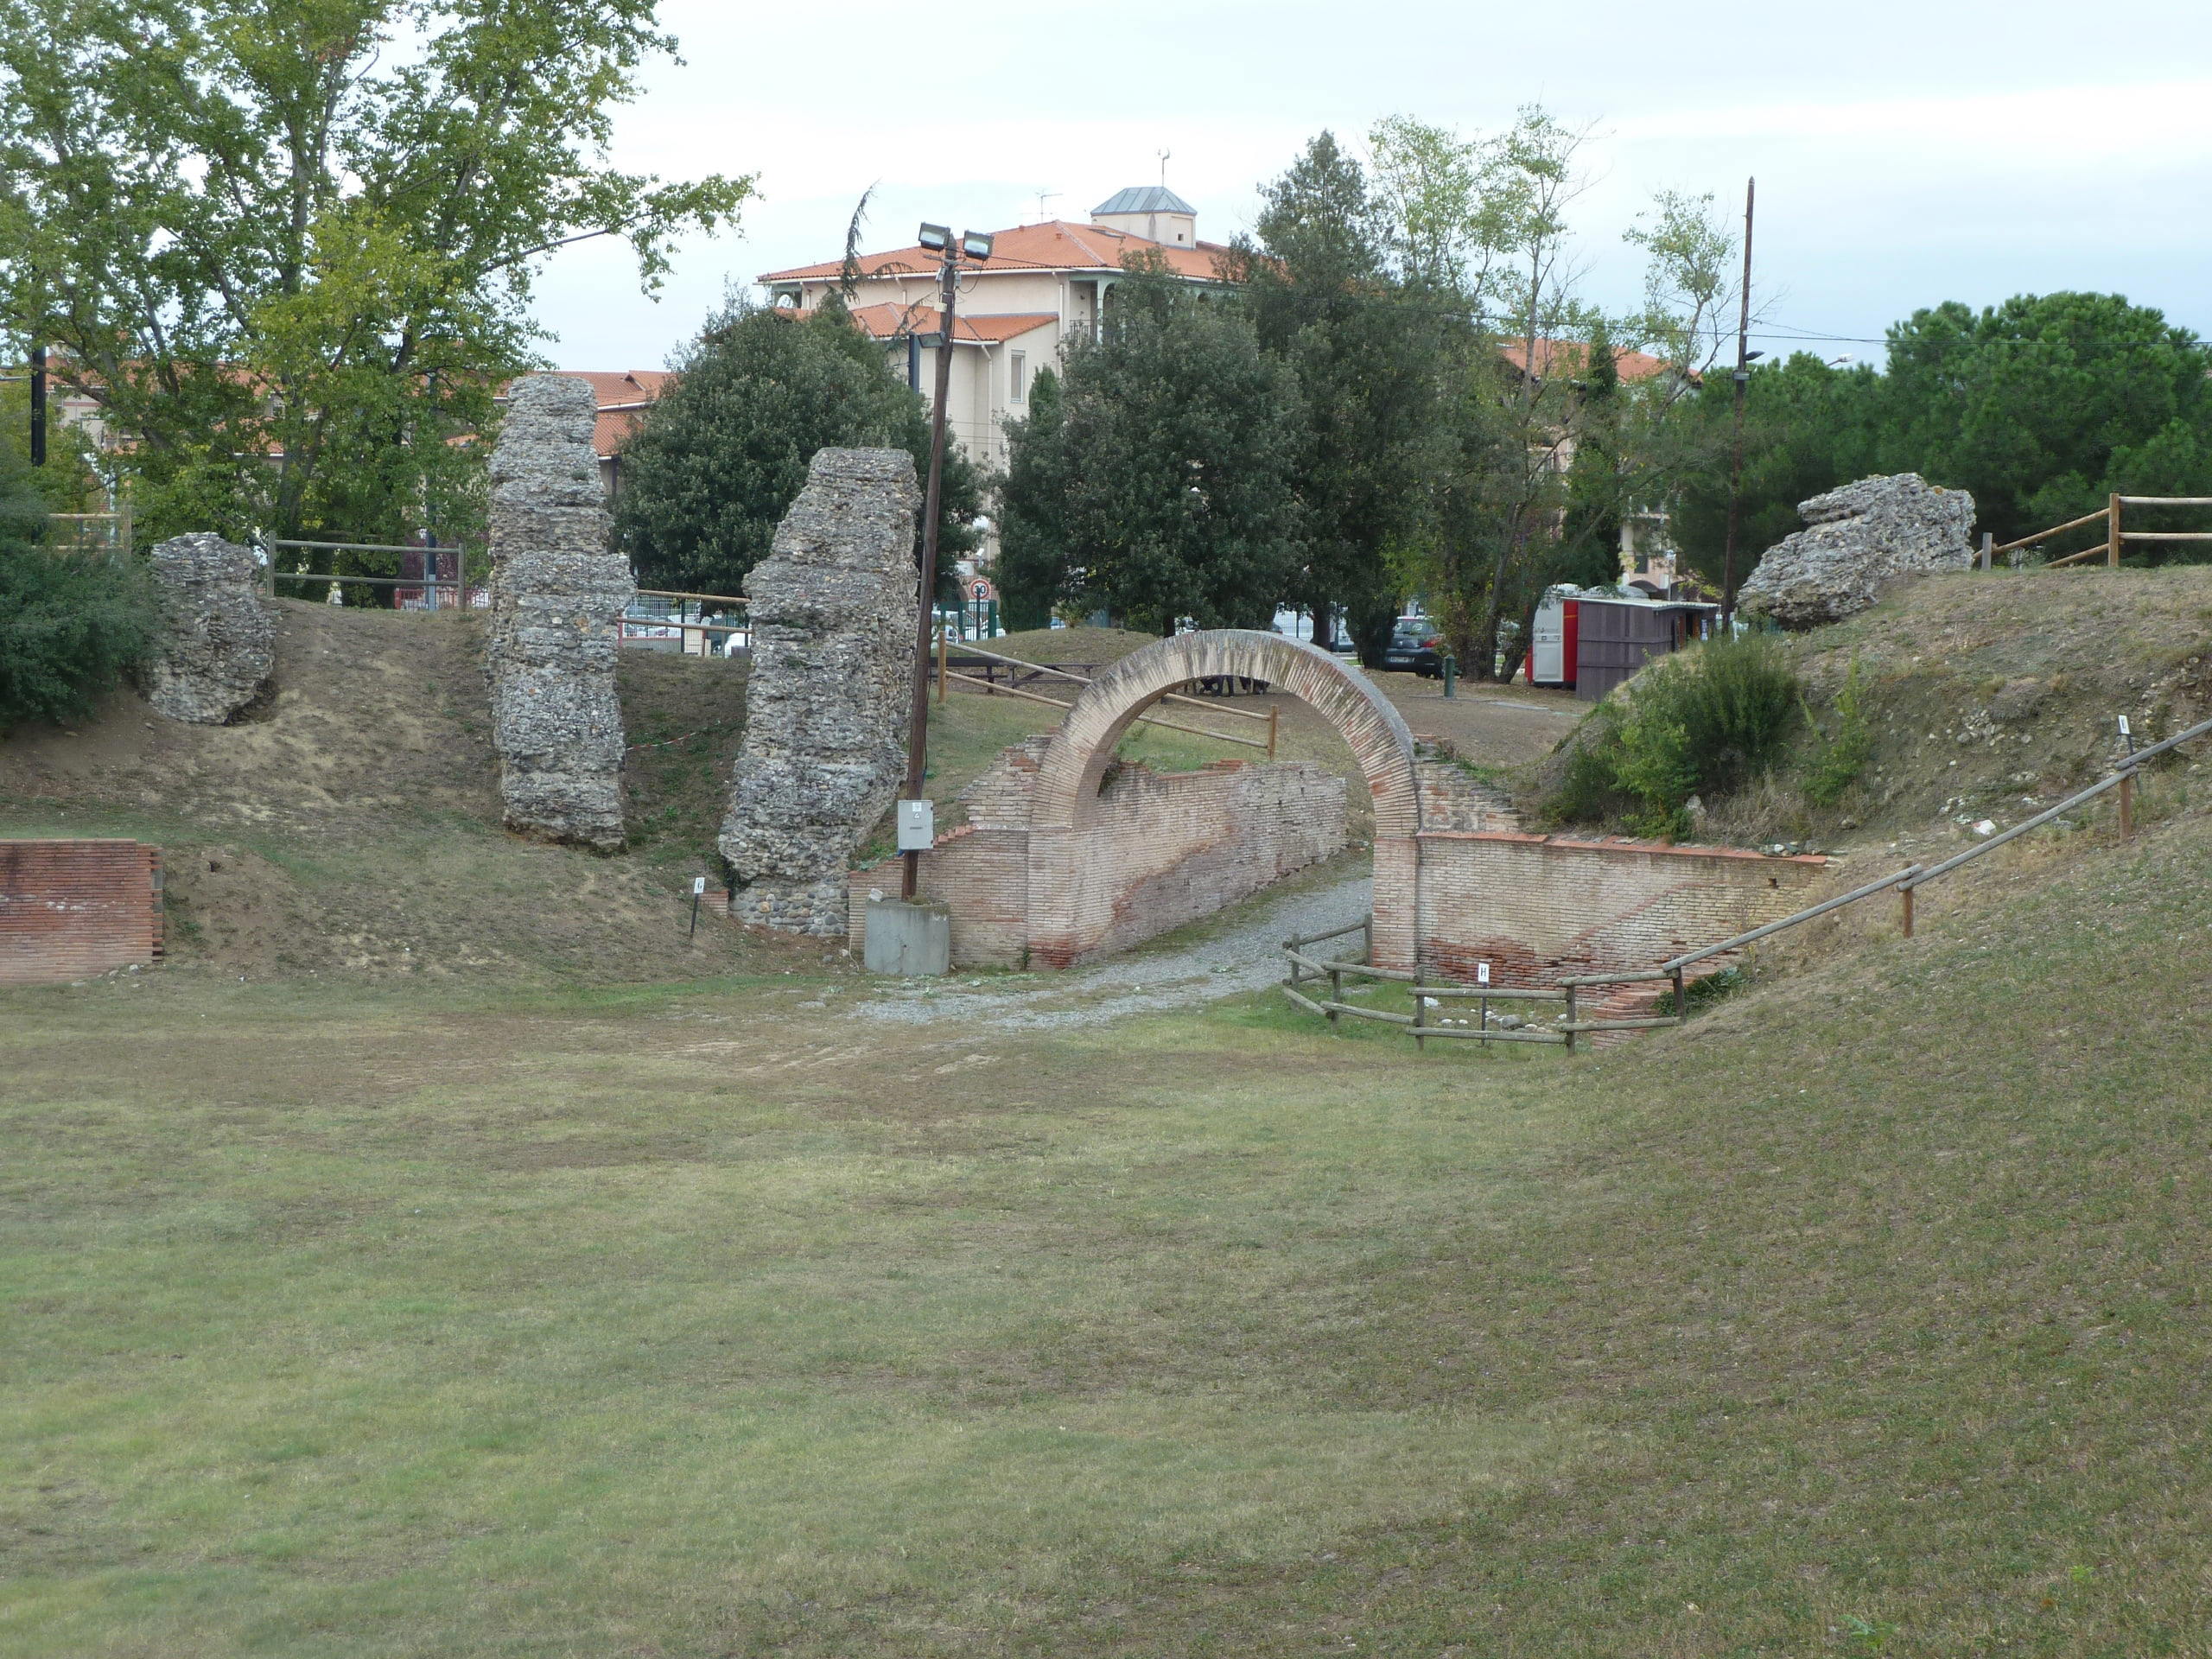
x=834 y=610
x=557 y=595
x=217 y=642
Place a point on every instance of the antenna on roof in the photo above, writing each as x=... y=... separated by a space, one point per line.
x=1044 y=196
x=1164 y=154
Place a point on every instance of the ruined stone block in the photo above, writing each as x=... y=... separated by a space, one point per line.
x=834 y=608
x=557 y=597
x=1856 y=540
x=218 y=641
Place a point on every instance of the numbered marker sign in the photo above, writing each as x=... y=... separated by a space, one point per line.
x=1482 y=973
x=2125 y=729
x=698 y=886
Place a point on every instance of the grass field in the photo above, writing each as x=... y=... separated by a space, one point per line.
x=1865 y=1315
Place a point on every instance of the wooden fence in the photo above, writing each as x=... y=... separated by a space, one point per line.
x=1305 y=968
x=2112 y=516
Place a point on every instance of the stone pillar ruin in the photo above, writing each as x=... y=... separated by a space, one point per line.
x=834 y=612
x=556 y=592
x=218 y=641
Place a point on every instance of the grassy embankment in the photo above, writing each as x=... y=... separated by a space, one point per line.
x=355 y=830
x=1863 y=1316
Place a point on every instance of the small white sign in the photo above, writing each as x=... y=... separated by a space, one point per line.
x=1482 y=973
x=2124 y=729
x=698 y=886
x=917 y=826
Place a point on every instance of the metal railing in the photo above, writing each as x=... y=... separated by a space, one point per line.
x=1904 y=882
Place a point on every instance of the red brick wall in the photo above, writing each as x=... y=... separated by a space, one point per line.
x=1538 y=908
x=70 y=909
x=1155 y=851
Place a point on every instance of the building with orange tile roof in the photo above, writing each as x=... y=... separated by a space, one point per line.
x=1043 y=285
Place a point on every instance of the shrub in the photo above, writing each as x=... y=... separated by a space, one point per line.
x=72 y=626
x=1836 y=766
x=1701 y=722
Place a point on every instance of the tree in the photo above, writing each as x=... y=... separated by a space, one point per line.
x=1808 y=427
x=720 y=456
x=1317 y=281
x=287 y=246
x=2042 y=405
x=1162 y=484
x=1541 y=450
x=1034 y=567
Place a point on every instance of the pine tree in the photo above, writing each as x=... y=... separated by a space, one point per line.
x=1317 y=282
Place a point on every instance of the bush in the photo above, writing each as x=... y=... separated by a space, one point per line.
x=72 y=625
x=1836 y=766
x=1701 y=722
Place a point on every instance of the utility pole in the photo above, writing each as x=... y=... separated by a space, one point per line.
x=940 y=238
x=38 y=405
x=1743 y=378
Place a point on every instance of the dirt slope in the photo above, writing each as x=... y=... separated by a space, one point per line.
x=1986 y=691
x=355 y=827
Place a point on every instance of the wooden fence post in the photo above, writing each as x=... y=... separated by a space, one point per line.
x=1988 y=542
x=1681 y=1002
x=1275 y=711
x=1367 y=939
x=1336 y=990
x=2111 y=531
x=1904 y=897
x=1420 y=1021
x=1572 y=1018
x=2128 y=807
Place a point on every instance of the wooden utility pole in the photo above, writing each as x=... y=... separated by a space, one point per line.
x=1743 y=378
x=918 y=724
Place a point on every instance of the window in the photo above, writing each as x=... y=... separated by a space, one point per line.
x=1018 y=376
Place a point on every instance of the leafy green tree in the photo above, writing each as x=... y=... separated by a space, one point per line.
x=720 y=456
x=1163 y=484
x=288 y=245
x=1316 y=278
x=2043 y=404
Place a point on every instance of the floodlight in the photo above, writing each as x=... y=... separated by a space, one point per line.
x=936 y=237
x=974 y=246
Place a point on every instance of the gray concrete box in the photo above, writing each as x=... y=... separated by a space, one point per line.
x=907 y=938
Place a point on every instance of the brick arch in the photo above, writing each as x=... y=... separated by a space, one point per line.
x=1068 y=776
x=1062 y=898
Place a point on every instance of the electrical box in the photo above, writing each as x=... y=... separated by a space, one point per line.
x=917 y=826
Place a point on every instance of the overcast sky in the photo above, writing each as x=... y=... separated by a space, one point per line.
x=1905 y=153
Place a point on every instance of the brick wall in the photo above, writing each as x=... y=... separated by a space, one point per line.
x=1538 y=908
x=1155 y=850
x=70 y=909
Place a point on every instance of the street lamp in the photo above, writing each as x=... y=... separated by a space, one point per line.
x=939 y=239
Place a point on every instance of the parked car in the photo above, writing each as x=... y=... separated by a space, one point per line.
x=1415 y=647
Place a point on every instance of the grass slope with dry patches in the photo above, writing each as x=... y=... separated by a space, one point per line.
x=1864 y=1315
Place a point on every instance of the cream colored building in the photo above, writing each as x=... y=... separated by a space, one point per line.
x=1043 y=285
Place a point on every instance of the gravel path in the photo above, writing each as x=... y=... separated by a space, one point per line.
x=1238 y=952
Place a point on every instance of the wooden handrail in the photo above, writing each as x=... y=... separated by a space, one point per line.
x=1149 y=720
x=1084 y=679
x=2055 y=529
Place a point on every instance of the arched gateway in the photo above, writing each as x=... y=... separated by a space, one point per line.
x=1055 y=864
x=1070 y=893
